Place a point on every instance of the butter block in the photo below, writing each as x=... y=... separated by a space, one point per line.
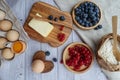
x=42 y=27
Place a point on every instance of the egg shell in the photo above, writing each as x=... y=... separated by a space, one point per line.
x=5 y=25
x=12 y=35
x=2 y=14
x=3 y=41
x=38 y=66
x=7 y=54
x=21 y=43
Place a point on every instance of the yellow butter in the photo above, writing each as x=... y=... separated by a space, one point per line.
x=42 y=27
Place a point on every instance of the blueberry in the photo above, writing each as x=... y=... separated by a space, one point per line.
x=97 y=19
x=85 y=15
x=84 y=19
x=86 y=25
x=83 y=24
x=99 y=26
x=62 y=18
x=97 y=15
x=96 y=9
x=86 y=10
x=76 y=9
x=91 y=8
x=90 y=24
x=80 y=21
x=90 y=12
x=86 y=4
x=55 y=59
x=77 y=18
x=47 y=53
x=55 y=19
x=77 y=13
x=82 y=9
x=96 y=28
x=50 y=17
x=94 y=22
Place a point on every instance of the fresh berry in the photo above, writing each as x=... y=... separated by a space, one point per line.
x=79 y=56
x=47 y=53
x=61 y=37
x=50 y=17
x=62 y=18
x=99 y=26
x=61 y=28
x=87 y=14
x=55 y=59
x=55 y=19
x=61 y=61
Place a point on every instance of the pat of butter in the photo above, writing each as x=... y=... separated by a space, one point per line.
x=42 y=27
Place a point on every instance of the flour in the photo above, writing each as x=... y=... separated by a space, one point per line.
x=106 y=52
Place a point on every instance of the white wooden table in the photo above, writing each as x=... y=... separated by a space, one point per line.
x=20 y=67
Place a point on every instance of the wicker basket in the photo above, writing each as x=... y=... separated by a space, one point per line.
x=102 y=63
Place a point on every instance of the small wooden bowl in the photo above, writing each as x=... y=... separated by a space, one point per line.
x=66 y=56
x=80 y=26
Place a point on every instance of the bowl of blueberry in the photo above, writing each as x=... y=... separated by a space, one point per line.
x=78 y=57
x=86 y=15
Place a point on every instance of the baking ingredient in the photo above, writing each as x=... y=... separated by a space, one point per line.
x=106 y=52
x=12 y=35
x=5 y=25
x=50 y=17
x=7 y=54
x=2 y=14
x=38 y=66
x=42 y=27
x=47 y=53
x=3 y=41
x=61 y=37
x=78 y=56
x=55 y=59
x=87 y=14
x=18 y=47
x=62 y=18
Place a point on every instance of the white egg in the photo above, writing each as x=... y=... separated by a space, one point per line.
x=2 y=14
x=38 y=66
x=3 y=41
x=12 y=35
x=5 y=25
x=7 y=54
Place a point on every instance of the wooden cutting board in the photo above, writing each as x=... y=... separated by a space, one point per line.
x=45 y=10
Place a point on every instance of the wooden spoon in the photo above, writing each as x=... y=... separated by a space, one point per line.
x=115 y=44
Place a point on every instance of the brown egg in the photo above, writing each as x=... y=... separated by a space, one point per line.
x=12 y=35
x=2 y=14
x=3 y=41
x=38 y=66
x=5 y=25
x=7 y=54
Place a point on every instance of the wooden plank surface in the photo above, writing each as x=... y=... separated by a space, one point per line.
x=20 y=67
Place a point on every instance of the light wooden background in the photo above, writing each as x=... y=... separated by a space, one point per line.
x=20 y=67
